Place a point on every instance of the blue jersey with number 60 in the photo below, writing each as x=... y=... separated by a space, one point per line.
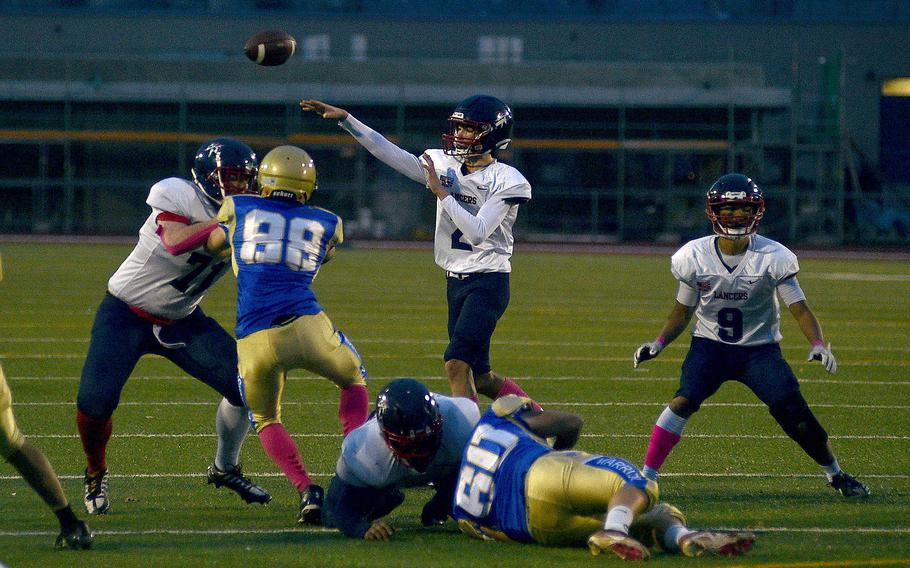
x=278 y=246
x=491 y=483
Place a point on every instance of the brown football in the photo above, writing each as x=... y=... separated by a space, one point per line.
x=270 y=47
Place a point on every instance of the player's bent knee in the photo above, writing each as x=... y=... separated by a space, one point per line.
x=457 y=367
x=260 y=424
x=682 y=406
x=99 y=407
x=797 y=420
x=11 y=439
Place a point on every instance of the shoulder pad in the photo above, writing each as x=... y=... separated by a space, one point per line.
x=509 y=404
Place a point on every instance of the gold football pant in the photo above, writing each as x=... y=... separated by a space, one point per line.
x=567 y=499
x=11 y=438
x=308 y=342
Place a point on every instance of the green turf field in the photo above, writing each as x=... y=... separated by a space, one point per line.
x=568 y=335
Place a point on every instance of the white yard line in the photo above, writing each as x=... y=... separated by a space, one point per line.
x=509 y=342
x=545 y=403
x=217 y=532
x=644 y=435
x=643 y=377
x=738 y=475
x=547 y=358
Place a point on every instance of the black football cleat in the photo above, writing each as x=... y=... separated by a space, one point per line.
x=848 y=486
x=311 y=506
x=234 y=480
x=436 y=511
x=77 y=537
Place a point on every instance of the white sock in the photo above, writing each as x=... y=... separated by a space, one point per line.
x=671 y=422
x=831 y=469
x=673 y=535
x=231 y=425
x=618 y=519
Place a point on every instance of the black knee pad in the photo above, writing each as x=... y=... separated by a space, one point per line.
x=797 y=420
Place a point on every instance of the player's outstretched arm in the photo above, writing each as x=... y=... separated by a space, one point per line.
x=810 y=327
x=401 y=160
x=324 y=110
x=179 y=238
x=676 y=323
x=564 y=426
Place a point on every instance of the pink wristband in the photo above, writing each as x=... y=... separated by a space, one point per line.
x=660 y=339
x=818 y=343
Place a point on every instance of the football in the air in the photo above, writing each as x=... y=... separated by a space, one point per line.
x=270 y=47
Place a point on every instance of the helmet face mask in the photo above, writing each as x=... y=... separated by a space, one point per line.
x=478 y=125
x=287 y=172
x=735 y=205
x=410 y=422
x=415 y=450
x=225 y=167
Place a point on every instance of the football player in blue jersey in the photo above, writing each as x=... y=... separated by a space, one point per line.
x=513 y=486
x=730 y=282
x=278 y=243
x=152 y=307
x=477 y=201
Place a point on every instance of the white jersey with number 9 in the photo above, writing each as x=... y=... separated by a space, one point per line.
x=736 y=305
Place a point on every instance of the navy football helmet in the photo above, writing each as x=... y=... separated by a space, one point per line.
x=488 y=118
x=225 y=167
x=410 y=422
x=739 y=191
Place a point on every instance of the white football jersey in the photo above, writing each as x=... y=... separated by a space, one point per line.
x=738 y=306
x=153 y=279
x=366 y=460
x=467 y=240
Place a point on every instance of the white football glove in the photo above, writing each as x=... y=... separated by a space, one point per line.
x=646 y=351
x=823 y=353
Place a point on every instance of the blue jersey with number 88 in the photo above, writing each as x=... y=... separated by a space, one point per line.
x=278 y=246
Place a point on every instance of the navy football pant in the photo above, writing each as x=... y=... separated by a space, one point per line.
x=475 y=305
x=762 y=368
x=120 y=338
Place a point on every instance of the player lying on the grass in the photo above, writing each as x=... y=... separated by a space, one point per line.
x=152 y=306
x=477 y=200
x=513 y=486
x=38 y=472
x=730 y=282
x=278 y=243
x=414 y=438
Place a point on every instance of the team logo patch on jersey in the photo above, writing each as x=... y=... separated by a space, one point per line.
x=469 y=199
x=446 y=181
x=732 y=296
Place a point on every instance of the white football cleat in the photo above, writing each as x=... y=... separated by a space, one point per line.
x=716 y=542
x=618 y=543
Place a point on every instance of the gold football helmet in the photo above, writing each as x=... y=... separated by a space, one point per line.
x=289 y=172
